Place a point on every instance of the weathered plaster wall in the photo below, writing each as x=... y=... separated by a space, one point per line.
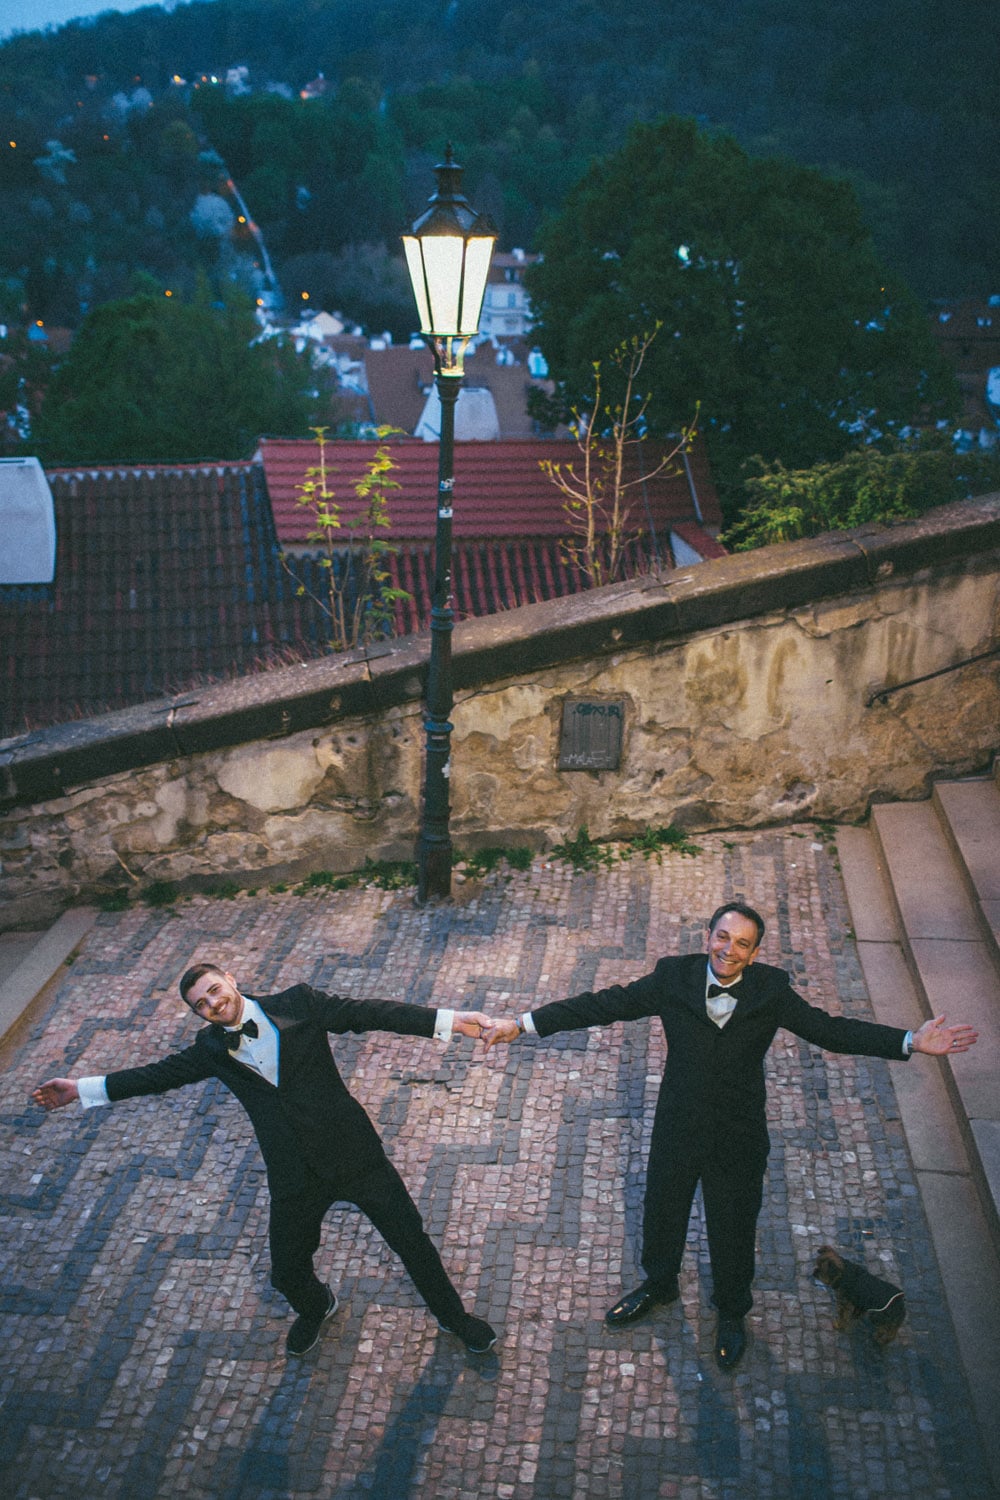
x=746 y=684
x=756 y=723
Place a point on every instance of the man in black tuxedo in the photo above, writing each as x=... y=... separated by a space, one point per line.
x=318 y=1144
x=720 y=1012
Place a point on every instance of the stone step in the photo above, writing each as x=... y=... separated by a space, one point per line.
x=947 y=1156
x=970 y=814
x=952 y=963
x=29 y=964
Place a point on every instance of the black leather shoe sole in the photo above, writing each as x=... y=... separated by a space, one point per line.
x=637 y=1304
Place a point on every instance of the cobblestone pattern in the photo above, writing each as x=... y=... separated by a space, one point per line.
x=143 y=1349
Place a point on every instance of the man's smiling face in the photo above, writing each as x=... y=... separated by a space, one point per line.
x=215 y=998
x=732 y=944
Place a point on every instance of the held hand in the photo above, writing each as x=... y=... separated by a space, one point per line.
x=939 y=1040
x=501 y=1031
x=56 y=1093
x=471 y=1023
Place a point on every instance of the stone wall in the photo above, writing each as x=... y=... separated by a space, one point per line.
x=747 y=688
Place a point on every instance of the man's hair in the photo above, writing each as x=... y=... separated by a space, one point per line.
x=191 y=976
x=742 y=910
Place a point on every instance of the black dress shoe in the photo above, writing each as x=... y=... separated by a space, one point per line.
x=635 y=1305
x=305 y=1331
x=476 y=1334
x=730 y=1343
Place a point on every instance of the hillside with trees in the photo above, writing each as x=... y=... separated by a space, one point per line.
x=119 y=125
x=843 y=157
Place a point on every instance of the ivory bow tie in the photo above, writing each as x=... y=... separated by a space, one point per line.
x=249 y=1028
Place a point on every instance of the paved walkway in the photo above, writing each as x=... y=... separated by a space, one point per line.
x=142 y=1350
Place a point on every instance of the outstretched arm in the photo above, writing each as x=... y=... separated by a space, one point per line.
x=939 y=1040
x=56 y=1093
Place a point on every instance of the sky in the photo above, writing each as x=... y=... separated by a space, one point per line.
x=32 y=15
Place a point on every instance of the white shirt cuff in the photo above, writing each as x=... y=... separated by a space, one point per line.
x=92 y=1091
x=908 y=1044
x=443 y=1025
x=528 y=1023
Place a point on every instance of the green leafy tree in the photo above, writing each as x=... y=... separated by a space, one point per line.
x=358 y=599
x=777 y=317
x=865 y=485
x=153 y=379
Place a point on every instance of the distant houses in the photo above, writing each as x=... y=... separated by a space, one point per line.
x=967 y=332
x=506 y=305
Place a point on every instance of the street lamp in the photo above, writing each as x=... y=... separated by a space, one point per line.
x=448 y=253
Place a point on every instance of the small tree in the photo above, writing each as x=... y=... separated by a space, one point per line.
x=354 y=553
x=599 y=494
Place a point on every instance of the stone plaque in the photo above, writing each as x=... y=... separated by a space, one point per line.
x=591 y=738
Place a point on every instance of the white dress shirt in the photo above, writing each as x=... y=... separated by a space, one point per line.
x=720 y=1007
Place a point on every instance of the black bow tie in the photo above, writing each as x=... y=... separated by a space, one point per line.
x=249 y=1028
x=719 y=989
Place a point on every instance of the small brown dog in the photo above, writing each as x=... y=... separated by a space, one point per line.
x=861 y=1295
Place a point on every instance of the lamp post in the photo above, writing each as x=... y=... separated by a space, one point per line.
x=448 y=253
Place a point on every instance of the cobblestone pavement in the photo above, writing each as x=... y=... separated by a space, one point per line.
x=142 y=1350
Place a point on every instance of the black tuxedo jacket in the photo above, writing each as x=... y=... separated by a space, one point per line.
x=308 y=1127
x=712 y=1097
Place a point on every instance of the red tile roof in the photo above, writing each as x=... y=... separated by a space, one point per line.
x=163 y=576
x=489 y=576
x=699 y=540
x=398 y=381
x=166 y=576
x=500 y=489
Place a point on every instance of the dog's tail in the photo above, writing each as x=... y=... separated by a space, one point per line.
x=896 y=1297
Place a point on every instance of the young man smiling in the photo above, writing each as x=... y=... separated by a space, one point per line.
x=318 y=1144
x=720 y=1011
